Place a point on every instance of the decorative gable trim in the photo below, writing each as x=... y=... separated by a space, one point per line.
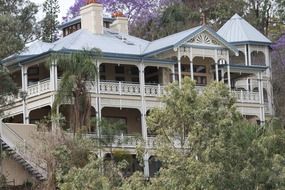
x=206 y=36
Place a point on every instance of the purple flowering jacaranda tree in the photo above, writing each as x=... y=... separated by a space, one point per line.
x=136 y=10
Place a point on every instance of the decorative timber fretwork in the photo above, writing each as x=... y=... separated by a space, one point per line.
x=205 y=38
x=184 y=51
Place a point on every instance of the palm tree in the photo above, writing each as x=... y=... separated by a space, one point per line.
x=78 y=69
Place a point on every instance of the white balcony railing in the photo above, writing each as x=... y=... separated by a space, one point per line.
x=39 y=88
x=119 y=88
x=246 y=96
x=134 y=89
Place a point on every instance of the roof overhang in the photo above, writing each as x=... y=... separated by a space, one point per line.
x=252 y=43
x=246 y=68
x=112 y=56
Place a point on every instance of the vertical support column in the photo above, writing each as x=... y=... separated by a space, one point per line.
x=223 y=73
x=52 y=77
x=216 y=66
x=191 y=70
x=179 y=67
x=146 y=165
x=261 y=99
x=53 y=88
x=229 y=70
x=245 y=55
x=173 y=73
x=143 y=106
x=55 y=119
x=269 y=87
x=249 y=55
x=217 y=71
x=24 y=73
x=55 y=69
x=98 y=100
x=191 y=64
x=143 y=117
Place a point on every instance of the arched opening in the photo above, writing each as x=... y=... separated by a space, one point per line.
x=120 y=155
x=154 y=166
x=119 y=73
x=203 y=71
x=37 y=115
x=185 y=67
x=128 y=117
x=66 y=110
x=258 y=58
x=239 y=60
x=157 y=75
x=152 y=75
x=38 y=73
x=14 y=119
x=253 y=119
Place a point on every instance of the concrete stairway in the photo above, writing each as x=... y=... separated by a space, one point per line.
x=22 y=152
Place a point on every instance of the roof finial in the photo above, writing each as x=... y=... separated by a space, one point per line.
x=203 y=18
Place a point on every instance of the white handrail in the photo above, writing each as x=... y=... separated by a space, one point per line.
x=22 y=148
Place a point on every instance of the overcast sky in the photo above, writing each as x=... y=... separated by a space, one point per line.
x=64 y=5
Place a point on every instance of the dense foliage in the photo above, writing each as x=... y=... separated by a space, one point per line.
x=49 y=23
x=153 y=19
x=8 y=88
x=202 y=141
x=221 y=150
x=18 y=25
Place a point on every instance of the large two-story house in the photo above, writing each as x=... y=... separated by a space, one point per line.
x=132 y=75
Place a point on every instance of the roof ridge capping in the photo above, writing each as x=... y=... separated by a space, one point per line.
x=236 y=16
x=238 y=31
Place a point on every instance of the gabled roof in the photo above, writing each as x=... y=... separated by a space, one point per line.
x=176 y=40
x=169 y=41
x=239 y=31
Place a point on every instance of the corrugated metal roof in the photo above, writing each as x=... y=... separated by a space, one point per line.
x=110 y=42
x=169 y=40
x=37 y=47
x=238 y=30
x=34 y=48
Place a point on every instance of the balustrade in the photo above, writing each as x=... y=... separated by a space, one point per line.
x=246 y=96
x=134 y=89
x=39 y=88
